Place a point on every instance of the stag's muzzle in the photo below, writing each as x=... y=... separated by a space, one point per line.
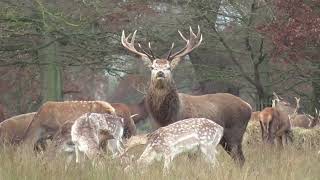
x=160 y=74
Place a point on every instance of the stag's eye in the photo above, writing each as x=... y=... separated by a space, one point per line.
x=152 y=68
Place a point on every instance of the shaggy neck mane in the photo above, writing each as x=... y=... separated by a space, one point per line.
x=163 y=104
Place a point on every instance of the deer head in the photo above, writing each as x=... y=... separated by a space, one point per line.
x=294 y=114
x=161 y=68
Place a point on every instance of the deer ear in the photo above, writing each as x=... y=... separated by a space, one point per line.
x=175 y=61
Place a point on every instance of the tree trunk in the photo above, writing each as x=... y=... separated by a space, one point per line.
x=202 y=62
x=316 y=87
x=51 y=80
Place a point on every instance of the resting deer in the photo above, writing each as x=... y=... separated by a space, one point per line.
x=166 y=105
x=12 y=129
x=306 y=120
x=182 y=136
x=91 y=129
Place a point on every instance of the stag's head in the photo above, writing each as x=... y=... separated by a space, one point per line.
x=161 y=68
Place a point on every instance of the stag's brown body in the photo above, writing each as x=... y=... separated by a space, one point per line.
x=139 y=111
x=52 y=115
x=305 y=121
x=12 y=129
x=166 y=105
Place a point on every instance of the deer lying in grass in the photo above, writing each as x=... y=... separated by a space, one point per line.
x=275 y=123
x=12 y=129
x=91 y=129
x=167 y=106
x=306 y=120
x=182 y=136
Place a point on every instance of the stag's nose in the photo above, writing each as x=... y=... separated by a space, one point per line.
x=160 y=74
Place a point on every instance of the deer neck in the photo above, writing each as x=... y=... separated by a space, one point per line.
x=163 y=103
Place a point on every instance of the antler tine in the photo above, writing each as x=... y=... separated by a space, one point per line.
x=193 y=42
x=274 y=93
x=170 y=51
x=149 y=45
x=145 y=52
x=129 y=44
x=182 y=36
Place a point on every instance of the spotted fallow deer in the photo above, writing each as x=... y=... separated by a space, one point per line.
x=51 y=116
x=91 y=129
x=182 y=136
x=166 y=105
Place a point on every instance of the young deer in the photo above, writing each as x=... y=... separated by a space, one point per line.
x=182 y=136
x=91 y=129
x=167 y=106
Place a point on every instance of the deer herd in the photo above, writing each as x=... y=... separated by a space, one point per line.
x=181 y=122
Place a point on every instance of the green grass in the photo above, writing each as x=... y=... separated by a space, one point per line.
x=261 y=163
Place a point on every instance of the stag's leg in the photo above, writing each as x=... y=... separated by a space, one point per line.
x=232 y=145
x=279 y=142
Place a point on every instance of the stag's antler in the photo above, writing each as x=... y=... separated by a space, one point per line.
x=130 y=46
x=193 y=42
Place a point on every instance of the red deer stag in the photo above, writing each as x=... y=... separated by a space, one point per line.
x=52 y=115
x=12 y=129
x=306 y=120
x=166 y=105
x=182 y=136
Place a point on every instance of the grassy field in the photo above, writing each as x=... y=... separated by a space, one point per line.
x=262 y=163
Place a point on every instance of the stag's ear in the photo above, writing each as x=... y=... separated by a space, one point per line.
x=175 y=61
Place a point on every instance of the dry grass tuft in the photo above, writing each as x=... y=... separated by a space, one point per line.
x=262 y=163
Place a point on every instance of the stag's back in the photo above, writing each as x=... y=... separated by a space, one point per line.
x=225 y=109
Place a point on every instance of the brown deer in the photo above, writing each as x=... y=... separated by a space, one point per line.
x=182 y=136
x=306 y=120
x=139 y=110
x=51 y=116
x=12 y=129
x=275 y=123
x=255 y=116
x=166 y=105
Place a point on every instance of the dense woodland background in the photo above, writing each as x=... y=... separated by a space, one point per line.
x=71 y=50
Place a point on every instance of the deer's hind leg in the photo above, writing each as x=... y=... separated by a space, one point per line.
x=209 y=152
